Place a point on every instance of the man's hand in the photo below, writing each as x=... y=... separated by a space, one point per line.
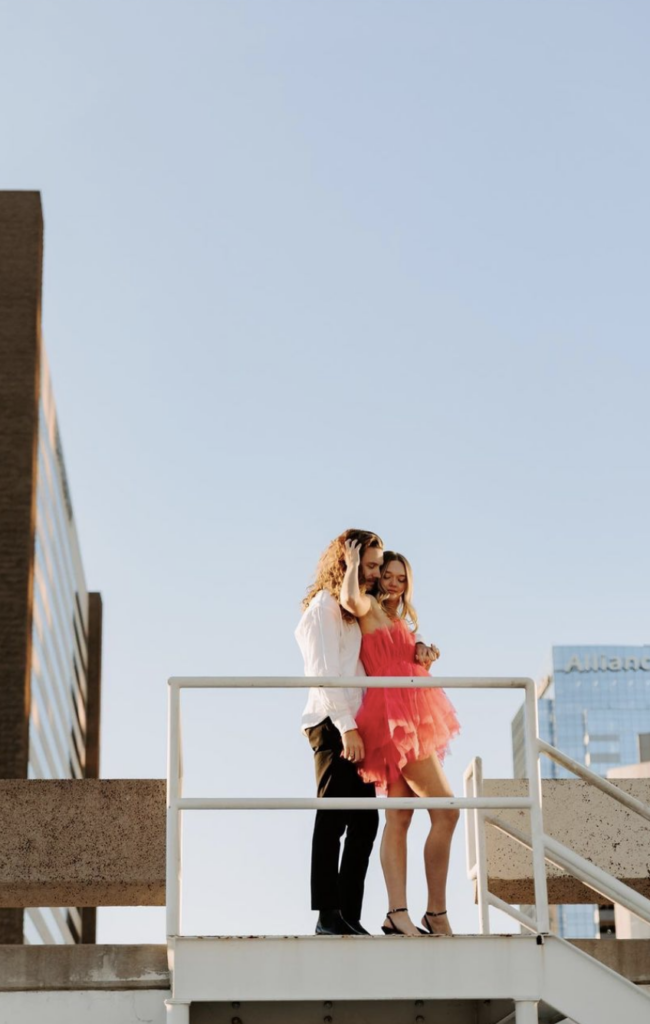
x=352 y=746
x=426 y=656
x=352 y=553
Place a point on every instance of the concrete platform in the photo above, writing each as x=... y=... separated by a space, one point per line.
x=117 y=967
x=83 y=968
x=373 y=971
x=102 y=842
x=585 y=819
x=82 y=843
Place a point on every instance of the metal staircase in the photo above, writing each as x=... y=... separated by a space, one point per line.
x=461 y=979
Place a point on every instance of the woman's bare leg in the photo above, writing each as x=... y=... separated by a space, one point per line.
x=393 y=859
x=426 y=778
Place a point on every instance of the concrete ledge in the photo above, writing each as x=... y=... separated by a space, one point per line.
x=83 y=843
x=586 y=820
x=117 y=967
x=101 y=842
x=629 y=957
x=75 y=968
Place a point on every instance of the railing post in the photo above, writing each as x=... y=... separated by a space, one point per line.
x=533 y=770
x=177 y=1012
x=526 y=1011
x=481 y=858
x=470 y=836
x=173 y=870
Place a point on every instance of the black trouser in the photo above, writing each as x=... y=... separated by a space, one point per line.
x=335 y=887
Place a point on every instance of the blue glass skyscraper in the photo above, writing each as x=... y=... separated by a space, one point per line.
x=595 y=707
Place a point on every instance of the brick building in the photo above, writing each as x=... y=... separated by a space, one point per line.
x=50 y=625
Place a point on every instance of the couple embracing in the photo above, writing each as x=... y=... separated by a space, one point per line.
x=358 y=620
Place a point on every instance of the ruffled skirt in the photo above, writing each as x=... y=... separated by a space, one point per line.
x=400 y=725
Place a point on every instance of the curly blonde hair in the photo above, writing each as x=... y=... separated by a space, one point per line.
x=331 y=566
x=405 y=609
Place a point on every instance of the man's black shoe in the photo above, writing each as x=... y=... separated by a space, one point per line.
x=332 y=922
x=356 y=926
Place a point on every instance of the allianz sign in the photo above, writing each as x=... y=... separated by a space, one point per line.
x=601 y=663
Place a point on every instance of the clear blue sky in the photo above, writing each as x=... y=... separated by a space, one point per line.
x=311 y=265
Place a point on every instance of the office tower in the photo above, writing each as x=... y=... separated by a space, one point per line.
x=595 y=707
x=50 y=626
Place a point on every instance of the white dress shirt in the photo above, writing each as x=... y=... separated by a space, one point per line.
x=330 y=647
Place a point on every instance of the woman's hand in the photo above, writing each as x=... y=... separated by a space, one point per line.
x=353 y=749
x=426 y=656
x=352 y=554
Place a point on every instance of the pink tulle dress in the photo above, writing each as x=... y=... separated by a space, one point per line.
x=403 y=725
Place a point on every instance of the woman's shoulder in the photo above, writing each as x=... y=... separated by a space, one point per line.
x=376 y=612
x=376 y=617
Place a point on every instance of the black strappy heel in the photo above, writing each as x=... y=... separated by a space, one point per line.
x=393 y=930
x=432 y=913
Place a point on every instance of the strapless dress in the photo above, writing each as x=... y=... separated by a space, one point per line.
x=399 y=725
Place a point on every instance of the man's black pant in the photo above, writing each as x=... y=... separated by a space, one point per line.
x=334 y=886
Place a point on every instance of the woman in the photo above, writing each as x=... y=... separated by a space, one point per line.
x=406 y=733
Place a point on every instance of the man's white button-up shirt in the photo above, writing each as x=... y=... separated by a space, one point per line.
x=330 y=647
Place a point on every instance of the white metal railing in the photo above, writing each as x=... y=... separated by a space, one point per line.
x=475 y=802
x=553 y=851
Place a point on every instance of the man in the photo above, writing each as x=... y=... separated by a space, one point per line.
x=330 y=641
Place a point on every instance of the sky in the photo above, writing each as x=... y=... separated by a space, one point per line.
x=318 y=265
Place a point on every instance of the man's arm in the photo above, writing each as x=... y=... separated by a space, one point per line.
x=321 y=639
x=425 y=654
x=352 y=599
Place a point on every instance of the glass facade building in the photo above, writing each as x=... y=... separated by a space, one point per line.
x=595 y=707
x=50 y=625
x=60 y=631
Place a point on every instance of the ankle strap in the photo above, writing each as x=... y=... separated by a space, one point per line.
x=397 y=910
x=432 y=913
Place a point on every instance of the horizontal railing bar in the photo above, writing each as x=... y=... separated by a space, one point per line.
x=339 y=682
x=585 y=773
x=357 y=803
x=507 y=908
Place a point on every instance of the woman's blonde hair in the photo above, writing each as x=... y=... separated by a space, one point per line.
x=331 y=567
x=405 y=608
